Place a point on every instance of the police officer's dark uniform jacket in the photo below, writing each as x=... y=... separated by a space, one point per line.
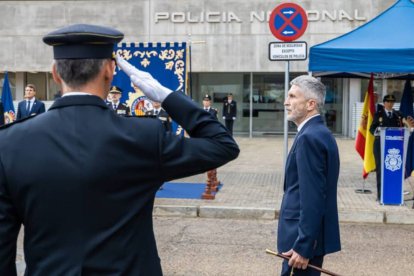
x=162 y=115
x=213 y=111
x=121 y=109
x=84 y=185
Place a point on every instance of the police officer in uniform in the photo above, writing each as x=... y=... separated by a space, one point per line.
x=229 y=112
x=115 y=104
x=161 y=114
x=83 y=213
x=384 y=117
x=207 y=106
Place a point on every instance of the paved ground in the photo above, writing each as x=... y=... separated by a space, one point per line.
x=229 y=247
x=253 y=188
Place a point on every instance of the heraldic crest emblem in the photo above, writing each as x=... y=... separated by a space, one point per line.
x=393 y=160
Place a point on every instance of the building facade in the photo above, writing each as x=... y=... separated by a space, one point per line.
x=229 y=49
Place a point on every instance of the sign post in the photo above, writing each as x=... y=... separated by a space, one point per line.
x=287 y=22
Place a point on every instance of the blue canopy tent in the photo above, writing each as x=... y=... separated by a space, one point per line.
x=384 y=44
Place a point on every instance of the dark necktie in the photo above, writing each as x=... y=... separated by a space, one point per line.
x=28 y=106
x=156 y=112
x=114 y=106
x=389 y=114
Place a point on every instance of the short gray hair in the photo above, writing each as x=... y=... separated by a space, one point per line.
x=312 y=88
x=78 y=72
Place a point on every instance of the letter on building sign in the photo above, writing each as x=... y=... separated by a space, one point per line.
x=161 y=16
x=313 y=15
x=330 y=16
x=343 y=14
x=258 y=16
x=210 y=17
x=232 y=17
x=178 y=17
x=357 y=17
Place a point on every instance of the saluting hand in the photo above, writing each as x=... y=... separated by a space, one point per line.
x=144 y=81
x=296 y=260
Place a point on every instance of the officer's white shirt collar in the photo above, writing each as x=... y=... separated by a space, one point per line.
x=31 y=100
x=76 y=94
x=304 y=122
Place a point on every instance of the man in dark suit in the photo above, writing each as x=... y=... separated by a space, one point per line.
x=161 y=114
x=30 y=106
x=229 y=112
x=384 y=117
x=86 y=198
x=119 y=108
x=308 y=225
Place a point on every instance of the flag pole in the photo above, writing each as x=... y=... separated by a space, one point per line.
x=363 y=190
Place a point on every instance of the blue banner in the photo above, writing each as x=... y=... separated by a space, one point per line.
x=166 y=62
x=406 y=109
x=392 y=141
x=6 y=98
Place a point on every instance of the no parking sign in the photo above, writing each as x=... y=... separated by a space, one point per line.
x=288 y=21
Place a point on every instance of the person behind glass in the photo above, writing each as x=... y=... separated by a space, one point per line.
x=207 y=106
x=30 y=106
x=384 y=117
x=308 y=227
x=229 y=112
x=161 y=114
x=119 y=108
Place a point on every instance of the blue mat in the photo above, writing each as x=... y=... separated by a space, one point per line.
x=182 y=190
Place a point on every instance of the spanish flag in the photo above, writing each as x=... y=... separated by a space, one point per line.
x=364 y=142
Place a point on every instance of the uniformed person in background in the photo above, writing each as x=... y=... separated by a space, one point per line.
x=383 y=117
x=229 y=112
x=207 y=105
x=161 y=114
x=115 y=104
x=86 y=195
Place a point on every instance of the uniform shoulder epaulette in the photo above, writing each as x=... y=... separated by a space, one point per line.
x=17 y=121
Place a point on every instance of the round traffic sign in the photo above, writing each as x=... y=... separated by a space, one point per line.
x=288 y=21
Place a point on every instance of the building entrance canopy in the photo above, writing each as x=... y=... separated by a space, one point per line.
x=384 y=44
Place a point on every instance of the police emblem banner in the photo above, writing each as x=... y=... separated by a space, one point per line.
x=393 y=153
x=166 y=62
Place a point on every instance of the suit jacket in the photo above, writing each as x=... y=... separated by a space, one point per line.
x=381 y=120
x=37 y=108
x=213 y=112
x=308 y=219
x=122 y=109
x=162 y=116
x=86 y=197
x=229 y=110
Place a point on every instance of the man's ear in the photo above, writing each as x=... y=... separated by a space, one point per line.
x=55 y=75
x=109 y=70
x=311 y=105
